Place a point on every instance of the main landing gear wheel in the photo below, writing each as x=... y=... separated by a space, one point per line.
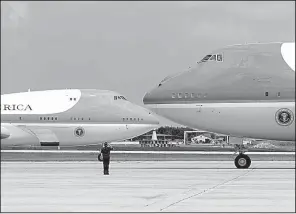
x=242 y=161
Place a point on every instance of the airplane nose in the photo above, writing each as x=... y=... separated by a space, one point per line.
x=146 y=98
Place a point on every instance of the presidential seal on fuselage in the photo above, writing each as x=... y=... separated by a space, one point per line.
x=284 y=117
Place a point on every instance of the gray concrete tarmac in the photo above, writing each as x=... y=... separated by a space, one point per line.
x=148 y=186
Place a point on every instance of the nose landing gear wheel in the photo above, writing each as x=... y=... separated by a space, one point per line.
x=242 y=161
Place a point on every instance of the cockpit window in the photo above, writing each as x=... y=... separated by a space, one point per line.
x=219 y=58
x=212 y=57
x=119 y=98
x=205 y=58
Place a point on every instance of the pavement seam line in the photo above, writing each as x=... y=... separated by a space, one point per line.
x=184 y=192
x=208 y=189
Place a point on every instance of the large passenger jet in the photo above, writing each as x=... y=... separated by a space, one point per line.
x=241 y=90
x=71 y=117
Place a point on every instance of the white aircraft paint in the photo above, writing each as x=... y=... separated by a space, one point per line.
x=41 y=102
x=288 y=53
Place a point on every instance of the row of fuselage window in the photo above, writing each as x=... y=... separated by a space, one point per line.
x=200 y=95
x=56 y=118
x=188 y=95
x=48 y=118
x=132 y=119
x=45 y=118
x=74 y=118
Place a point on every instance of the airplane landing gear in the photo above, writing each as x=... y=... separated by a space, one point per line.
x=242 y=161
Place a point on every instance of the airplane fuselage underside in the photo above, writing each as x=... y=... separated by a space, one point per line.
x=70 y=134
x=254 y=120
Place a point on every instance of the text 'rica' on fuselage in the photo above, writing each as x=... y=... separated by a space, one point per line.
x=15 y=107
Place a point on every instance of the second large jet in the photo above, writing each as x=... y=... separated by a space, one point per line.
x=71 y=117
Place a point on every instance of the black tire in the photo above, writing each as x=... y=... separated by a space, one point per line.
x=100 y=158
x=242 y=161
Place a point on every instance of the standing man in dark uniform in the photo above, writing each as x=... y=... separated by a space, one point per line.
x=105 y=151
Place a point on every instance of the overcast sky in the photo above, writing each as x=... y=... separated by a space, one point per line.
x=128 y=47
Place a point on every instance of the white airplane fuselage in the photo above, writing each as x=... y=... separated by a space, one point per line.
x=71 y=117
x=242 y=90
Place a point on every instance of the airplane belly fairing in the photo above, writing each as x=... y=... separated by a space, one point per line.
x=45 y=136
x=17 y=136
